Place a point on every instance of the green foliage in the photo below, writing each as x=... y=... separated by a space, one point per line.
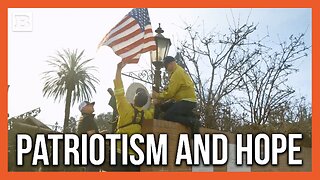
x=105 y=122
x=69 y=71
x=70 y=78
x=72 y=125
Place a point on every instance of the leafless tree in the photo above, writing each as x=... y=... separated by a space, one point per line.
x=240 y=66
x=294 y=111
x=265 y=86
x=216 y=62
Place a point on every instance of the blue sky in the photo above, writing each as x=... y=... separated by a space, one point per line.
x=55 y=29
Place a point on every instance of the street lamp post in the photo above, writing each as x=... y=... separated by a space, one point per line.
x=163 y=44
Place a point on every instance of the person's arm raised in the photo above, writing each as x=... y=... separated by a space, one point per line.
x=118 y=85
x=122 y=103
x=118 y=72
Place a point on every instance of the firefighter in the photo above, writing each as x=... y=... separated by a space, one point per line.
x=130 y=118
x=181 y=92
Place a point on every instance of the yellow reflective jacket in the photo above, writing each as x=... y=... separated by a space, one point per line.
x=180 y=87
x=126 y=115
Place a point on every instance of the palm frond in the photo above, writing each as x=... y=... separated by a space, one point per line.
x=69 y=70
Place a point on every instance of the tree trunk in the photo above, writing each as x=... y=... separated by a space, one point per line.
x=67 y=110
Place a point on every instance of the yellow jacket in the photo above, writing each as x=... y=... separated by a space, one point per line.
x=126 y=115
x=180 y=87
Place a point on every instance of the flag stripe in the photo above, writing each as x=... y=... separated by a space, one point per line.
x=127 y=42
x=126 y=20
x=124 y=32
x=148 y=30
x=135 y=51
x=117 y=27
x=131 y=36
x=132 y=49
x=138 y=50
x=150 y=48
x=126 y=36
x=127 y=59
x=133 y=61
x=131 y=25
x=136 y=44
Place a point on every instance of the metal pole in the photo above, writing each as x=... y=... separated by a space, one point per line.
x=157 y=83
x=157 y=78
x=157 y=75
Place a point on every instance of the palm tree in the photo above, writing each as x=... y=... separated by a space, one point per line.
x=70 y=76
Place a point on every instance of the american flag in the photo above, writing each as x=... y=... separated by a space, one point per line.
x=132 y=36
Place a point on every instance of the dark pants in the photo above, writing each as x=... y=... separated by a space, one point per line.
x=181 y=112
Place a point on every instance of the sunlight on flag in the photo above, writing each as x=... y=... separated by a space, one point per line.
x=132 y=36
